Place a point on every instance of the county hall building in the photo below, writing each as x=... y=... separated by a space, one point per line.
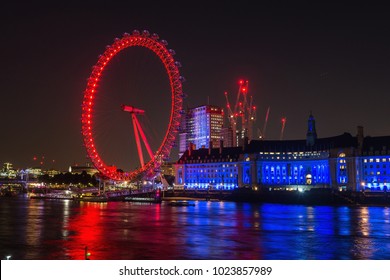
x=342 y=162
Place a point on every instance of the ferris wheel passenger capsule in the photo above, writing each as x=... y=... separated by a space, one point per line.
x=182 y=79
x=155 y=36
x=145 y=33
x=136 y=32
x=177 y=63
x=126 y=34
x=164 y=42
x=172 y=52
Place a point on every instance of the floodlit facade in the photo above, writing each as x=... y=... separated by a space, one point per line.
x=8 y=171
x=342 y=162
x=88 y=168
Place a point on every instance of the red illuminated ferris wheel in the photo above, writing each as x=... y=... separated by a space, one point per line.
x=147 y=169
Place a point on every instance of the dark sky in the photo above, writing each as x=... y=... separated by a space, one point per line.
x=333 y=60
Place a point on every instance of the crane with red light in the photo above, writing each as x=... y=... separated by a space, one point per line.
x=283 y=120
x=243 y=115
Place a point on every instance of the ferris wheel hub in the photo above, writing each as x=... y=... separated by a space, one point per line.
x=132 y=110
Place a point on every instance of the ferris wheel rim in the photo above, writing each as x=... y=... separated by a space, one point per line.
x=158 y=47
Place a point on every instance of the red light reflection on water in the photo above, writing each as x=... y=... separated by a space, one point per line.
x=84 y=230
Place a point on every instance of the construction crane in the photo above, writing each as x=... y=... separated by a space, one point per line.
x=242 y=116
x=262 y=133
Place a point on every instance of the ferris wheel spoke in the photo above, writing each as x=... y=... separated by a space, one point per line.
x=139 y=148
x=143 y=137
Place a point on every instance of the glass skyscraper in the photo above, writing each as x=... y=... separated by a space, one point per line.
x=201 y=127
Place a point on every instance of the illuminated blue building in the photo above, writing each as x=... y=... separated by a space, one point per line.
x=209 y=167
x=374 y=164
x=342 y=162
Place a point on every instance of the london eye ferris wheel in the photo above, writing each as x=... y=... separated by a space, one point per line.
x=151 y=162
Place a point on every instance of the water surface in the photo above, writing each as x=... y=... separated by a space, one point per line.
x=59 y=229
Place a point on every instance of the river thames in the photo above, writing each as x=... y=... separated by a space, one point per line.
x=34 y=229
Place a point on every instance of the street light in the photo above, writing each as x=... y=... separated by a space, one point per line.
x=87 y=254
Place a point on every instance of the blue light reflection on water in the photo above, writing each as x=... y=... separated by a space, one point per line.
x=56 y=229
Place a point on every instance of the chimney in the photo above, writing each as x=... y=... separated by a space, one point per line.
x=190 y=148
x=246 y=142
x=360 y=139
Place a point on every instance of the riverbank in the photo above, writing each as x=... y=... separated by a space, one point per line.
x=312 y=197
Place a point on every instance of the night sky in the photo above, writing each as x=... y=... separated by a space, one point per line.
x=331 y=60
